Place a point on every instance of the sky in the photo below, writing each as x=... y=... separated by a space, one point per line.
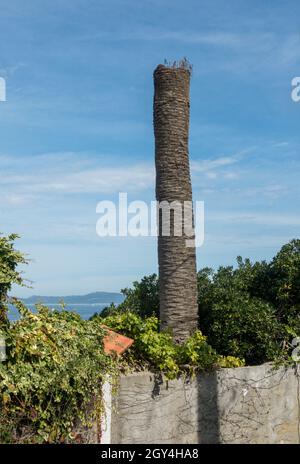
x=77 y=129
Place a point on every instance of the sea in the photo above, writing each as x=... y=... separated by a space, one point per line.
x=84 y=310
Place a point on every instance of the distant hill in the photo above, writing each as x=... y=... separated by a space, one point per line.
x=90 y=298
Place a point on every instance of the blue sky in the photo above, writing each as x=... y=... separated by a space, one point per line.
x=77 y=129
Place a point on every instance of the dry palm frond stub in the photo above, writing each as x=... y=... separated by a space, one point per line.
x=180 y=64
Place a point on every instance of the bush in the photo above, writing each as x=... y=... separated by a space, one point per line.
x=235 y=322
x=9 y=275
x=143 y=298
x=251 y=311
x=156 y=350
x=283 y=282
x=55 y=365
x=247 y=328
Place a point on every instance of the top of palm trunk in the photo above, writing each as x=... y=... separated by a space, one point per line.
x=181 y=65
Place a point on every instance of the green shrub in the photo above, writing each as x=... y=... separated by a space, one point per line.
x=247 y=328
x=9 y=274
x=143 y=298
x=55 y=364
x=235 y=322
x=283 y=282
x=156 y=350
x=251 y=311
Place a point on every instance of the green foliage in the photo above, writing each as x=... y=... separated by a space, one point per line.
x=156 y=350
x=245 y=327
x=235 y=322
x=143 y=298
x=283 y=282
x=9 y=274
x=107 y=311
x=55 y=364
x=150 y=349
x=251 y=311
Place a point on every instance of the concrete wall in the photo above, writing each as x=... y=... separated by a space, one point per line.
x=244 y=405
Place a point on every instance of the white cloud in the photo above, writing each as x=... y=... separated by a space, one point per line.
x=231 y=175
x=11 y=70
x=281 y=145
x=216 y=167
x=211 y=164
x=15 y=199
x=98 y=180
x=272 y=191
x=215 y=38
x=25 y=178
x=211 y=175
x=286 y=220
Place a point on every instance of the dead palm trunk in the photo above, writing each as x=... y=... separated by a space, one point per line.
x=177 y=262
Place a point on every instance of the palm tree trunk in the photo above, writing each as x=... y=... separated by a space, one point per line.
x=177 y=262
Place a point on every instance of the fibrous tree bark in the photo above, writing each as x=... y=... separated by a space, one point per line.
x=177 y=261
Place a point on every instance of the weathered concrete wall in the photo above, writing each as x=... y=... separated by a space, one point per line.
x=244 y=405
